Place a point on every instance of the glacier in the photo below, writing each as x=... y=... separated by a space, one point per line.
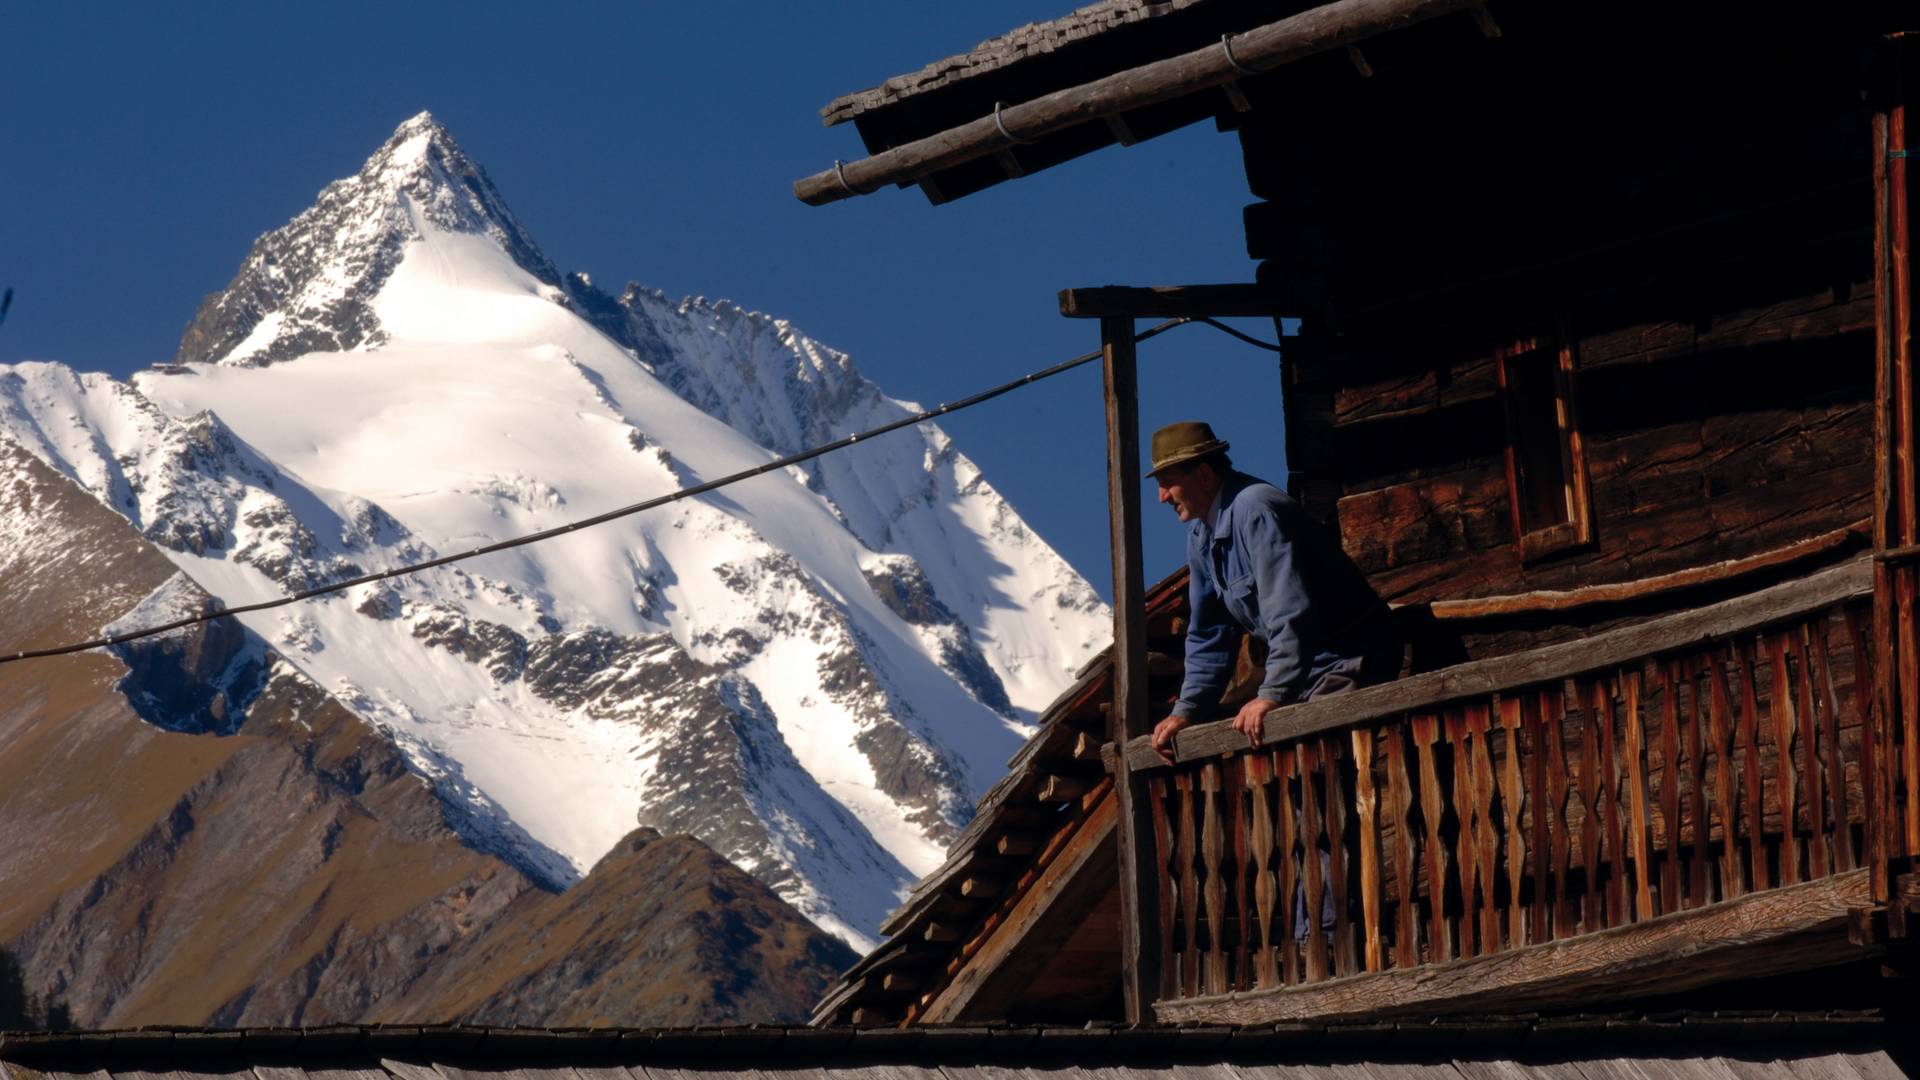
x=817 y=672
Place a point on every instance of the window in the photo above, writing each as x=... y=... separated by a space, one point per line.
x=1546 y=466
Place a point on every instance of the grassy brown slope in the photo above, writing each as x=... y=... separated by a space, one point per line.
x=293 y=871
x=662 y=926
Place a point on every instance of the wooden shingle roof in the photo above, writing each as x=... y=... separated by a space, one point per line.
x=1013 y=47
x=1052 y=789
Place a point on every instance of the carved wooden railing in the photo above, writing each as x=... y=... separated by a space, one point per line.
x=1526 y=799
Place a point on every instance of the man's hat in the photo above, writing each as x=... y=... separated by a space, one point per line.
x=1179 y=443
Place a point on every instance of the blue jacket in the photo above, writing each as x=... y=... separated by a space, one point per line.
x=1274 y=572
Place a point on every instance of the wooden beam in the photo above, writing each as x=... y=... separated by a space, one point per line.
x=1085 y=748
x=1122 y=134
x=980 y=888
x=1014 y=844
x=1061 y=789
x=1169 y=301
x=1139 y=948
x=1610 y=649
x=1768 y=933
x=1039 y=922
x=1316 y=30
x=1552 y=600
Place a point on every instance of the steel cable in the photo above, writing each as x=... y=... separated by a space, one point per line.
x=625 y=511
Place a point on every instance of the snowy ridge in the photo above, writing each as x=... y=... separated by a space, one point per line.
x=817 y=672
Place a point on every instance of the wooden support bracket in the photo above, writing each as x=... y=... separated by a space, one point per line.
x=1170 y=302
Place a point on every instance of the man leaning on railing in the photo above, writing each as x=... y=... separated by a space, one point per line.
x=1257 y=564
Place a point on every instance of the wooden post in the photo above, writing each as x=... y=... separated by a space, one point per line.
x=1139 y=867
x=1895 y=827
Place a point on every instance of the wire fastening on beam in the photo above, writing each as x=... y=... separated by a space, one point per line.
x=1226 y=47
x=627 y=511
x=1002 y=125
x=840 y=171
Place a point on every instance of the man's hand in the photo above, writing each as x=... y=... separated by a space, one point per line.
x=1163 y=733
x=1252 y=714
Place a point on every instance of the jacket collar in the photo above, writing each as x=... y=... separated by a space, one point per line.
x=1229 y=490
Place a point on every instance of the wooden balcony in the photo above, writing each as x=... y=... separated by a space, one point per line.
x=1680 y=802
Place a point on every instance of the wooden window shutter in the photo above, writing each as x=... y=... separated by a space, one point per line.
x=1545 y=457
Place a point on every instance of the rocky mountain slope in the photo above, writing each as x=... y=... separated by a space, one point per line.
x=277 y=861
x=816 y=672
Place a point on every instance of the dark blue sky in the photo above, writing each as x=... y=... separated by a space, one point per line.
x=147 y=145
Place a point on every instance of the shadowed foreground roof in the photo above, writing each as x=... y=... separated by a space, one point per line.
x=1673 y=1046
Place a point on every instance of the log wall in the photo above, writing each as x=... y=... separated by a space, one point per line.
x=1700 y=232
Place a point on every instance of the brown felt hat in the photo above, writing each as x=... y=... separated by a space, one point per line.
x=1179 y=443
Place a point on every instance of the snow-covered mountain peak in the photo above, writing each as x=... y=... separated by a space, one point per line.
x=308 y=285
x=816 y=671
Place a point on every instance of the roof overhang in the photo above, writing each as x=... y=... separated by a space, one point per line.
x=1115 y=104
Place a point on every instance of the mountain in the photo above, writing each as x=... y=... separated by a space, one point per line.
x=816 y=672
x=289 y=868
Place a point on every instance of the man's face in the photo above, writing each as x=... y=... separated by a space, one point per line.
x=1190 y=489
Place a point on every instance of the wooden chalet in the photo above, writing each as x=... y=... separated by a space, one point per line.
x=1605 y=376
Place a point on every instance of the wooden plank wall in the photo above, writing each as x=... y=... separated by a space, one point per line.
x=1701 y=233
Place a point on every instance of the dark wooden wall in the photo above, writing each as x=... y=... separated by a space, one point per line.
x=1687 y=203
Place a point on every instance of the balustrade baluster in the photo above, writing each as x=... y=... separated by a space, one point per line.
x=1214 y=892
x=1406 y=944
x=1334 y=787
x=1163 y=845
x=1366 y=819
x=1552 y=720
x=1593 y=907
x=1616 y=858
x=1811 y=771
x=1725 y=797
x=1426 y=730
x=1754 y=787
x=1780 y=706
x=1842 y=837
x=1694 y=718
x=1288 y=883
x=1672 y=897
x=1512 y=802
x=1258 y=769
x=1312 y=902
x=1533 y=705
x=1637 y=799
x=1466 y=860
x=1189 y=888
x=1233 y=790
x=1486 y=842
x=1905 y=702
x=1877 y=800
